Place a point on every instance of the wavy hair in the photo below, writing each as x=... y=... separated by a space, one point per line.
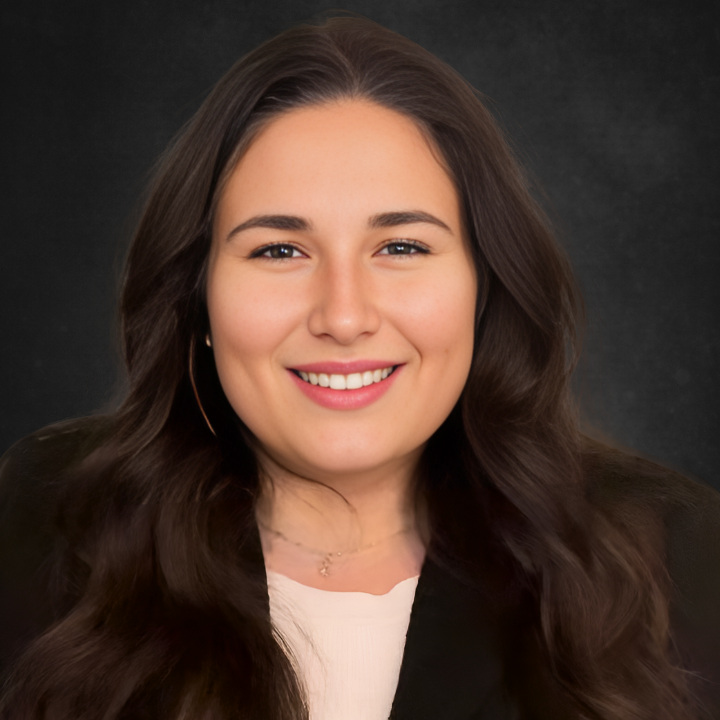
x=165 y=617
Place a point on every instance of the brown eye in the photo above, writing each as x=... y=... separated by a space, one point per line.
x=403 y=248
x=277 y=252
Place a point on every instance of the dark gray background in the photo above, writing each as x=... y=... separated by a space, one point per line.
x=614 y=106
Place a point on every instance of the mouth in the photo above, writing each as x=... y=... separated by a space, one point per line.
x=351 y=381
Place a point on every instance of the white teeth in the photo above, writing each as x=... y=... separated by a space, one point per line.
x=353 y=381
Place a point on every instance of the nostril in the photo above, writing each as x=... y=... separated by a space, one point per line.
x=344 y=318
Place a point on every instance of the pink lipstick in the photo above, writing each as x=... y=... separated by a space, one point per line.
x=345 y=385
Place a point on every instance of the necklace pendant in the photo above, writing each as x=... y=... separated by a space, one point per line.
x=325 y=565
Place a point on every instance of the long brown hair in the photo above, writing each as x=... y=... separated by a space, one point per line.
x=166 y=617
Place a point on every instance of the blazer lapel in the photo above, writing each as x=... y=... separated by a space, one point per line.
x=452 y=667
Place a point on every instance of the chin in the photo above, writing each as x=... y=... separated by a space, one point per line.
x=343 y=464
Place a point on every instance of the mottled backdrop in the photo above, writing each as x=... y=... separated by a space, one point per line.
x=614 y=106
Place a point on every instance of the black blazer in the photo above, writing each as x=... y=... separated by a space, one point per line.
x=470 y=652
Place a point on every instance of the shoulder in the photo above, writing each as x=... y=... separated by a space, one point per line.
x=687 y=514
x=31 y=471
x=688 y=510
x=54 y=447
x=31 y=474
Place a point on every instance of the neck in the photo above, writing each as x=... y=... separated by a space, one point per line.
x=340 y=512
x=368 y=522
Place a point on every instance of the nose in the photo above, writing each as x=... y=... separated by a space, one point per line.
x=345 y=307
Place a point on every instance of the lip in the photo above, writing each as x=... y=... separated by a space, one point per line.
x=344 y=368
x=345 y=399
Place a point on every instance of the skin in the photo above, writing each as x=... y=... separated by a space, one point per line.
x=325 y=283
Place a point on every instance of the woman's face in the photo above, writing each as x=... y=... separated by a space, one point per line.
x=341 y=292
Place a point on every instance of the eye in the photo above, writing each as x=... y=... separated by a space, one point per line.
x=279 y=251
x=403 y=247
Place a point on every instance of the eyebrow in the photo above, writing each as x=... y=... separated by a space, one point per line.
x=406 y=217
x=298 y=224
x=274 y=222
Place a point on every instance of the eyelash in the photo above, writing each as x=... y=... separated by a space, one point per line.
x=414 y=246
x=263 y=252
x=411 y=247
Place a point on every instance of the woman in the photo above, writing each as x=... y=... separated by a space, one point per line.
x=347 y=479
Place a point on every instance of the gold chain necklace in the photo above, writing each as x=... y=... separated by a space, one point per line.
x=327 y=557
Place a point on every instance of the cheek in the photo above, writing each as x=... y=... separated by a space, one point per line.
x=246 y=321
x=246 y=327
x=441 y=318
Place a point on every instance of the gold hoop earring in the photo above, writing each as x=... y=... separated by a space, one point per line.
x=191 y=372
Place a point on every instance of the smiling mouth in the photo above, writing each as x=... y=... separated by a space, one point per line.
x=353 y=381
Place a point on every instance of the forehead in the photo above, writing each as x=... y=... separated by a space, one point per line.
x=337 y=152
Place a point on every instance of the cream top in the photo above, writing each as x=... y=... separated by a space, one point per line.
x=346 y=647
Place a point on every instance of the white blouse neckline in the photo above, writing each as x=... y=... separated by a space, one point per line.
x=346 y=646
